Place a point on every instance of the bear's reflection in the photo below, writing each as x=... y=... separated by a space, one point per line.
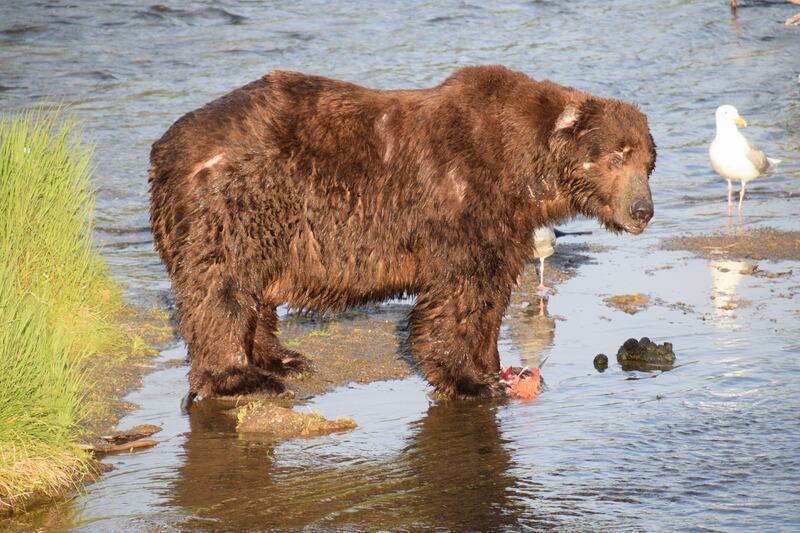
x=453 y=474
x=462 y=469
x=221 y=472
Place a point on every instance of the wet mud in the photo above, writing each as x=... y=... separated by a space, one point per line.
x=628 y=303
x=755 y=244
x=111 y=376
x=362 y=345
x=358 y=346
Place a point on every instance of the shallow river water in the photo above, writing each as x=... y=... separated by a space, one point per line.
x=711 y=445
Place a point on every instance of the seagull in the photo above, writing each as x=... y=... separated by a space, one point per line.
x=544 y=245
x=733 y=157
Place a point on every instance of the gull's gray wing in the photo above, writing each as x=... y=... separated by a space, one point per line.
x=757 y=157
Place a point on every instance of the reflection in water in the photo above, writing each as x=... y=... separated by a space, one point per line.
x=533 y=331
x=462 y=466
x=219 y=473
x=725 y=278
x=741 y=224
x=453 y=474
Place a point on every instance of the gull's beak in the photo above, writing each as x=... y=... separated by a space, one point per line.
x=740 y=121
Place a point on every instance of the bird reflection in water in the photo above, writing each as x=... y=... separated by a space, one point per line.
x=532 y=331
x=725 y=279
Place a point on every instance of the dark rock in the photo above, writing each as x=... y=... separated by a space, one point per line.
x=600 y=362
x=645 y=355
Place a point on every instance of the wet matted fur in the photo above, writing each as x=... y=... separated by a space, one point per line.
x=322 y=194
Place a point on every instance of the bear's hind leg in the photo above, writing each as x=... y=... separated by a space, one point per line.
x=267 y=351
x=216 y=320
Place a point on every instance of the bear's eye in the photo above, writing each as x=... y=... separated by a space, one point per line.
x=618 y=157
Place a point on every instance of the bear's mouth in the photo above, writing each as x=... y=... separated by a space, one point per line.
x=634 y=229
x=616 y=223
x=628 y=226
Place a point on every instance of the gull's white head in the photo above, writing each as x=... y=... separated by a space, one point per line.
x=728 y=116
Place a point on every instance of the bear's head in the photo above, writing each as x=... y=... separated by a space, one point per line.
x=606 y=154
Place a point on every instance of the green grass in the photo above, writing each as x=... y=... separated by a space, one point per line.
x=58 y=304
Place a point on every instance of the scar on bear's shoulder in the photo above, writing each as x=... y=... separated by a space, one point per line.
x=207 y=164
x=455 y=187
x=382 y=128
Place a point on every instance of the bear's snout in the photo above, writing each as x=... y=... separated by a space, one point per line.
x=635 y=207
x=642 y=211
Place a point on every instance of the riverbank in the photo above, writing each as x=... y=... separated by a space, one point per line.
x=62 y=314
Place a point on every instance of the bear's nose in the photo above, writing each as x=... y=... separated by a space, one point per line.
x=642 y=211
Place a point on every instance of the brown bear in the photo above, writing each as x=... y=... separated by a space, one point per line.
x=323 y=194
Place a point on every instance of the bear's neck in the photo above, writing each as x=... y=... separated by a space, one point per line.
x=550 y=207
x=529 y=116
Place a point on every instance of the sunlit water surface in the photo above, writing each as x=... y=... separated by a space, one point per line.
x=710 y=445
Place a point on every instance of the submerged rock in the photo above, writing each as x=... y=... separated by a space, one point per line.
x=283 y=423
x=645 y=355
x=628 y=303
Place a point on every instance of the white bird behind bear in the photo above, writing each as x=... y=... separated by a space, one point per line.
x=544 y=244
x=734 y=157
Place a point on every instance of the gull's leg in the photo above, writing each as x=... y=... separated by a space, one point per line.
x=741 y=197
x=730 y=197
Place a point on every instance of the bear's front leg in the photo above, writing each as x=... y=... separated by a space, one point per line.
x=453 y=337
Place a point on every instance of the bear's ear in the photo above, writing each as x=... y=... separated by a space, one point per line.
x=568 y=117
